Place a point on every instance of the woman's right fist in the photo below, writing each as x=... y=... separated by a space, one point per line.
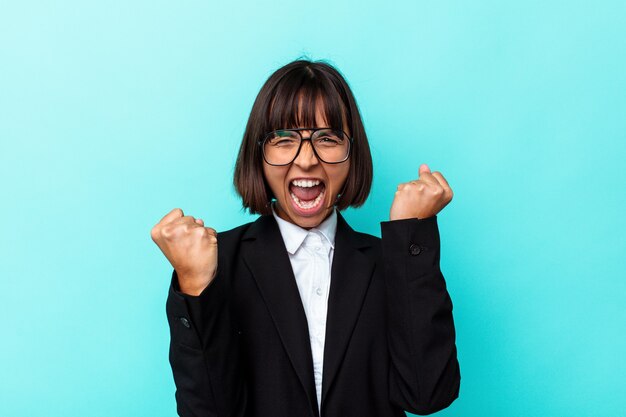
x=190 y=247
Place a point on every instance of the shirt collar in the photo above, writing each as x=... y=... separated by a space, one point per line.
x=293 y=235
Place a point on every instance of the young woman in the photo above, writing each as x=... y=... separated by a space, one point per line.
x=298 y=315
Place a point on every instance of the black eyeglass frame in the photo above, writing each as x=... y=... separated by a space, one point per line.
x=302 y=139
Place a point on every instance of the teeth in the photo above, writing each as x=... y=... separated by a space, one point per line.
x=307 y=204
x=305 y=183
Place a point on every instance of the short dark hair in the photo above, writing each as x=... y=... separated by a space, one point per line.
x=288 y=99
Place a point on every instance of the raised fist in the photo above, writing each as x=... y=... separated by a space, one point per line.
x=190 y=247
x=421 y=198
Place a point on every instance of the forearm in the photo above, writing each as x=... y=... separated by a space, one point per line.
x=424 y=375
x=204 y=352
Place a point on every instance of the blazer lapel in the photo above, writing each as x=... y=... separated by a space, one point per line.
x=351 y=273
x=266 y=257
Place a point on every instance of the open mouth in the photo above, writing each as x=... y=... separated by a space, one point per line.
x=307 y=195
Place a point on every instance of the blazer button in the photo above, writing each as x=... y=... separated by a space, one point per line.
x=185 y=322
x=415 y=249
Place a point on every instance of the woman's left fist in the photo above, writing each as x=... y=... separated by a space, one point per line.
x=421 y=198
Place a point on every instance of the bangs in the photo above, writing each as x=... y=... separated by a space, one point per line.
x=299 y=94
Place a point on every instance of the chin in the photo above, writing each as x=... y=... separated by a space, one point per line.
x=310 y=222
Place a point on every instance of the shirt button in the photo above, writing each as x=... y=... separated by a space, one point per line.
x=415 y=249
x=318 y=291
x=184 y=322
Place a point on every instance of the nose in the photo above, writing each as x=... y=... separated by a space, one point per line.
x=306 y=157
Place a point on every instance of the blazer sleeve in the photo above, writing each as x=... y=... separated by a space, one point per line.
x=424 y=374
x=204 y=352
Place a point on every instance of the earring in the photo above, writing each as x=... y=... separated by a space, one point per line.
x=269 y=203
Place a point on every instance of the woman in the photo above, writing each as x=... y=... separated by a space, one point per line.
x=297 y=314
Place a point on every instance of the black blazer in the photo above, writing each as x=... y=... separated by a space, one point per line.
x=241 y=348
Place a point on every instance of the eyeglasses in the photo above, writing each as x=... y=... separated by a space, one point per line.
x=281 y=147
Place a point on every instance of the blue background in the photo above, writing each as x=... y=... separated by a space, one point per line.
x=113 y=113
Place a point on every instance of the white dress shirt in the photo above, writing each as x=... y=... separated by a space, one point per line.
x=311 y=256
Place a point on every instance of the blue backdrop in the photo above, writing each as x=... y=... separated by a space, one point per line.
x=113 y=113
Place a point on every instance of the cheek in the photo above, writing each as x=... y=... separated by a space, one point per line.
x=275 y=178
x=340 y=176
